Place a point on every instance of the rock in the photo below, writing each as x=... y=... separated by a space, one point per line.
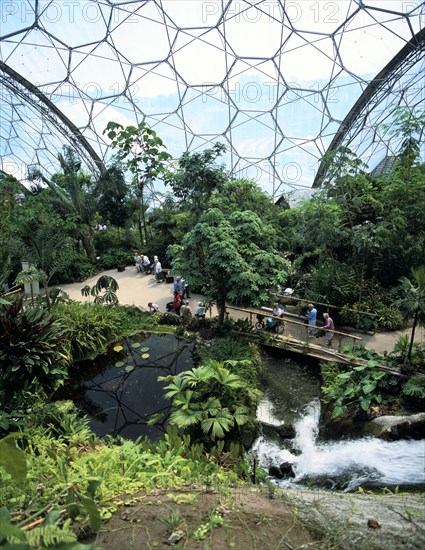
x=281 y=431
x=397 y=427
x=287 y=469
x=373 y=524
x=276 y=472
x=175 y=537
x=283 y=471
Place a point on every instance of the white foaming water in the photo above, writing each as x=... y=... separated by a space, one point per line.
x=265 y=413
x=360 y=461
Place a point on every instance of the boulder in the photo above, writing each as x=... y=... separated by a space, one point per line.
x=287 y=469
x=281 y=431
x=283 y=471
x=397 y=427
x=276 y=472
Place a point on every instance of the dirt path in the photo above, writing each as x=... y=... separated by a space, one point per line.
x=138 y=289
x=265 y=518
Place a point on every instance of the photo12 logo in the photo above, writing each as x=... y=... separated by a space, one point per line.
x=273 y=11
x=64 y=11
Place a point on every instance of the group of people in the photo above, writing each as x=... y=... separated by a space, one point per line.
x=179 y=305
x=143 y=265
x=327 y=328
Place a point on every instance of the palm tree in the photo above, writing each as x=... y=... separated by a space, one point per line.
x=48 y=249
x=414 y=301
x=73 y=196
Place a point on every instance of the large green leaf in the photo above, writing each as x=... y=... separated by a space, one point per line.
x=219 y=424
x=13 y=459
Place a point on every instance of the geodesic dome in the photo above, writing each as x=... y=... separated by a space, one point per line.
x=279 y=82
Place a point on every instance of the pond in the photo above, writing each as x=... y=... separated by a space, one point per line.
x=119 y=391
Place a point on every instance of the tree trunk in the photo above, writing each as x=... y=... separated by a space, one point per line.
x=412 y=337
x=221 y=306
x=143 y=217
x=89 y=247
x=139 y=228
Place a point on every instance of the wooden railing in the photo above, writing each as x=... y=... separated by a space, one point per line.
x=295 y=329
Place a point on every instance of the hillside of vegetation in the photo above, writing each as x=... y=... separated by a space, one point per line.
x=357 y=245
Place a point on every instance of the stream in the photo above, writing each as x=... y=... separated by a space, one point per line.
x=120 y=393
x=292 y=397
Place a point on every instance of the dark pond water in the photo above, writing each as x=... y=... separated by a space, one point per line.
x=120 y=391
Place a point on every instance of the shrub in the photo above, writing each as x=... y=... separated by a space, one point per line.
x=169 y=319
x=354 y=317
x=390 y=317
x=211 y=401
x=80 y=269
x=90 y=327
x=345 y=386
x=117 y=256
x=33 y=347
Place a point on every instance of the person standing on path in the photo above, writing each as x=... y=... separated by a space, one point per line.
x=158 y=272
x=311 y=318
x=185 y=313
x=185 y=288
x=328 y=326
x=178 y=285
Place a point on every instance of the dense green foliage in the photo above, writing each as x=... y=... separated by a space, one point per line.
x=211 y=400
x=349 y=244
x=230 y=258
x=34 y=350
x=72 y=475
x=363 y=387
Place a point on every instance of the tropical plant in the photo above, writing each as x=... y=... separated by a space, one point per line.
x=104 y=291
x=414 y=387
x=231 y=258
x=209 y=397
x=28 y=276
x=358 y=386
x=33 y=348
x=414 y=301
x=389 y=317
x=90 y=327
x=73 y=196
x=143 y=153
x=111 y=191
x=197 y=177
x=333 y=283
x=52 y=531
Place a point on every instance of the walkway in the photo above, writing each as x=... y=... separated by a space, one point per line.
x=138 y=289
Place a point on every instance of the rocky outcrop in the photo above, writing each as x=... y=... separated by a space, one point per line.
x=279 y=432
x=397 y=427
x=283 y=471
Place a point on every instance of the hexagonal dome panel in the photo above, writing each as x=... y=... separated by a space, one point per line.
x=280 y=83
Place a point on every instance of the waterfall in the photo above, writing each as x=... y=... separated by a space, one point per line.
x=345 y=464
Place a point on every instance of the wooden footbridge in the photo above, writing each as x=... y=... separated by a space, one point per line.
x=294 y=336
